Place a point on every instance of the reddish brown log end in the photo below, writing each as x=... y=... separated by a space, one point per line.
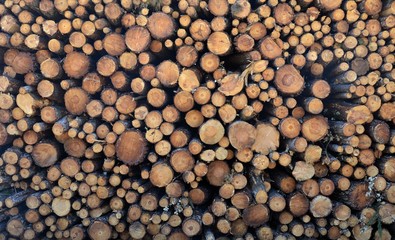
x=45 y=154
x=131 y=147
x=76 y=64
x=241 y=135
x=99 y=230
x=161 y=25
x=75 y=100
x=256 y=215
x=288 y=80
x=315 y=128
x=218 y=171
x=137 y=39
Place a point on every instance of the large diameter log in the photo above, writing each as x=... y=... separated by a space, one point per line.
x=182 y=160
x=114 y=44
x=45 y=154
x=298 y=204
x=269 y=48
x=303 y=171
x=99 y=230
x=61 y=206
x=211 y=132
x=358 y=196
x=231 y=84
x=355 y=114
x=131 y=147
x=320 y=206
x=15 y=226
x=161 y=25
x=200 y=30
x=27 y=102
x=387 y=111
x=137 y=39
x=137 y=230
x=22 y=62
x=217 y=173
x=329 y=5
x=191 y=226
x=387 y=168
x=371 y=7
x=5 y=138
x=161 y=175
x=241 y=135
x=267 y=138
x=168 y=72
x=315 y=128
x=75 y=100
x=288 y=80
x=218 y=7
x=256 y=215
x=379 y=131
x=219 y=43
x=283 y=13
x=76 y=64
x=51 y=68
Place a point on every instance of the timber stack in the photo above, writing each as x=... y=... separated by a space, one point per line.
x=197 y=119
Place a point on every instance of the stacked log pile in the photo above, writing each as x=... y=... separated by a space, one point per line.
x=230 y=119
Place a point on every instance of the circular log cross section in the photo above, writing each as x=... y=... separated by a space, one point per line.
x=131 y=147
x=288 y=80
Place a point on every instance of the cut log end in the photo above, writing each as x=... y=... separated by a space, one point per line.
x=45 y=154
x=161 y=25
x=99 y=230
x=131 y=147
x=288 y=80
x=76 y=64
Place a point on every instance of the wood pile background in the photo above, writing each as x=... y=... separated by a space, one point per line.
x=213 y=119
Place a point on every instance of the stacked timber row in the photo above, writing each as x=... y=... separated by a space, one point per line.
x=228 y=119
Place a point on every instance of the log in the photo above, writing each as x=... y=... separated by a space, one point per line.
x=76 y=64
x=222 y=119
x=131 y=156
x=289 y=81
